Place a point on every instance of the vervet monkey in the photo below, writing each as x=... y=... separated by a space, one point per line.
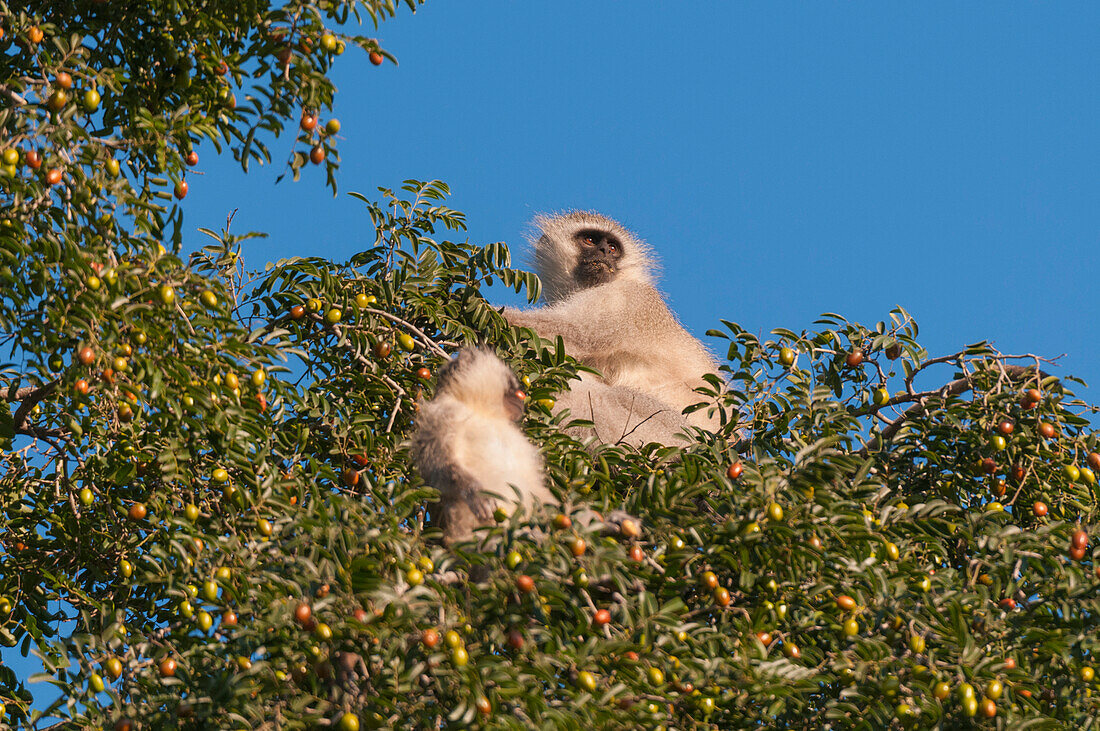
x=598 y=286
x=469 y=446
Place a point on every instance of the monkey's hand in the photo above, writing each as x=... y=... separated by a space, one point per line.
x=468 y=491
x=350 y=668
x=622 y=523
x=617 y=523
x=481 y=506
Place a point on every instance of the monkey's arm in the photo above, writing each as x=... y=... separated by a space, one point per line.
x=546 y=322
x=585 y=322
x=434 y=448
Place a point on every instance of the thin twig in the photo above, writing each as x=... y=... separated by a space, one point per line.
x=184 y=316
x=431 y=344
x=393 y=414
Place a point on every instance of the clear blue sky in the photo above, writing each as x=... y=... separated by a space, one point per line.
x=785 y=159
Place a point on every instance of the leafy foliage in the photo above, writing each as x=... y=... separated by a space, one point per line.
x=208 y=518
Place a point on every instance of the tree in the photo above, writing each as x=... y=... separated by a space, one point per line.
x=208 y=518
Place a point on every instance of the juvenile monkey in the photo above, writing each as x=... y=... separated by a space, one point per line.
x=598 y=286
x=469 y=446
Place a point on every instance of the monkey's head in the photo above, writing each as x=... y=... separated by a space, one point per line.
x=582 y=249
x=481 y=381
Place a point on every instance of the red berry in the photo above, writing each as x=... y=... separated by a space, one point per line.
x=376 y=58
x=167 y=667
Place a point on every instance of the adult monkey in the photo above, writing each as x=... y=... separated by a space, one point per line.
x=598 y=286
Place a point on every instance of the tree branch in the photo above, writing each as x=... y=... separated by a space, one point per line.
x=952 y=388
x=10 y=94
x=29 y=396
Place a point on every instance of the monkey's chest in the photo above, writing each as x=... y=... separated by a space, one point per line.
x=497 y=459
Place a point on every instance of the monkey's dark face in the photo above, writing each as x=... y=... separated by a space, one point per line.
x=598 y=256
x=514 y=398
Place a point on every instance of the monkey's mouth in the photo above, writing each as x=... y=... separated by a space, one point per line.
x=594 y=271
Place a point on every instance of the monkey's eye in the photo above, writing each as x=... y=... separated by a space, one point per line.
x=588 y=239
x=613 y=247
